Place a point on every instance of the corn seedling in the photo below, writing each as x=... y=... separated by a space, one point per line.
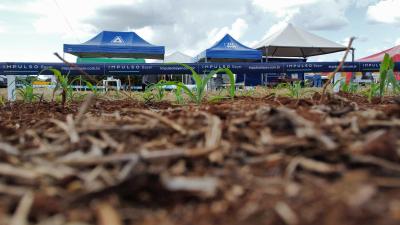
x=372 y=91
x=386 y=76
x=26 y=93
x=293 y=89
x=148 y=97
x=218 y=97
x=2 y=101
x=178 y=95
x=158 y=88
x=91 y=87
x=350 y=87
x=160 y=91
x=63 y=84
x=248 y=92
x=198 y=93
x=281 y=86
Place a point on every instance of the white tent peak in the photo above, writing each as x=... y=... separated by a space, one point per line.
x=292 y=41
x=178 y=57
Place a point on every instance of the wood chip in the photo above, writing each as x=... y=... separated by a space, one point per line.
x=174 y=125
x=206 y=186
x=20 y=216
x=68 y=127
x=13 y=190
x=97 y=160
x=286 y=213
x=107 y=215
x=8 y=149
x=214 y=131
x=372 y=160
x=18 y=172
x=84 y=108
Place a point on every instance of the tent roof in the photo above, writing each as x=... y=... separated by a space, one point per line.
x=229 y=48
x=113 y=44
x=178 y=57
x=109 y=60
x=393 y=52
x=293 y=41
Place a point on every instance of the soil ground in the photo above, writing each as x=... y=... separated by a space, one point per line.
x=260 y=160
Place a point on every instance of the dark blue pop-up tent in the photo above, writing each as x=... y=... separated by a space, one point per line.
x=112 y=44
x=229 y=50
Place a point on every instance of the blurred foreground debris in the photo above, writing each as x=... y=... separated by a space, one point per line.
x=251 y=161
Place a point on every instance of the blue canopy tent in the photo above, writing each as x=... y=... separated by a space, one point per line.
x=112 y=44
x=229 y=50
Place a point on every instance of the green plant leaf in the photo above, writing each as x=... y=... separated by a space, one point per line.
x=392 y=80
x=385 y=64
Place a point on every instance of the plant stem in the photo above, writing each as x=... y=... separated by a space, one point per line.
x=336 y=70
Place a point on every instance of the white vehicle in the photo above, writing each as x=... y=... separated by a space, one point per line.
x=3 y=81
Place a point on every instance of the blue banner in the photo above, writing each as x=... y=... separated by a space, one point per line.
x=14 y=68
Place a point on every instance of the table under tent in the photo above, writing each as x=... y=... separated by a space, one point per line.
x=229 y=49
x=294 y=44
x=116 y=47
x=128 y=82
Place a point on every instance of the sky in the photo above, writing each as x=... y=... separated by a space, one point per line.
x=32 y=30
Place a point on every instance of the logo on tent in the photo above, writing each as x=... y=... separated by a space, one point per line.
x=118 y=40
x=231 y=45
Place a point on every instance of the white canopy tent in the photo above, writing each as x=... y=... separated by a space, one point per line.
x=293 y=41
x=178 y=57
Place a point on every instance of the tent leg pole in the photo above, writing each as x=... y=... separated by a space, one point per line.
x=262 y=79
x=11 y=87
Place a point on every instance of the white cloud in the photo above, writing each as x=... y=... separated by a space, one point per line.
x=311 y=14
x=345 y=41
x=146 y=32
x=66 y=17
x=282 y=8
x=323 y=15
x=385 y=11
x=3 y=28
x=236 y=30
x=363 y=3
x=397 y=42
